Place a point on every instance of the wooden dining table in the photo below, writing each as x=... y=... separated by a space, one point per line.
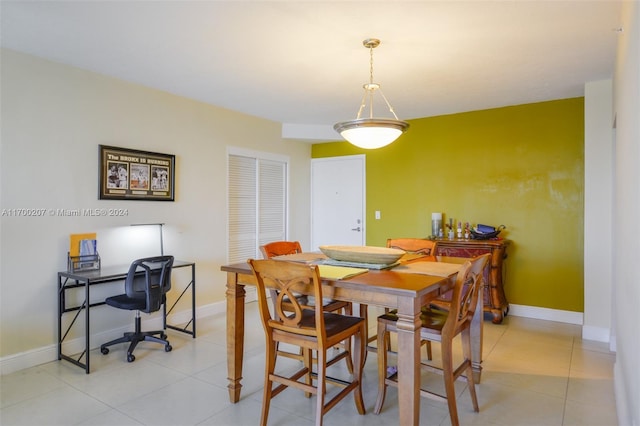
x=406 y=292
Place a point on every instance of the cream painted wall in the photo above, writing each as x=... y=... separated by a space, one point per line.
x=53 y=118
x=626 y=217
x=598 y=202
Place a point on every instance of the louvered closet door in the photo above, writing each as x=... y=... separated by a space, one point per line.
x=257 y=204
x=271 y=201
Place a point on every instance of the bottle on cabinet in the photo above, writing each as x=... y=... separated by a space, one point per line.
x=436 y=225
x=451 y=233
x=449 y=228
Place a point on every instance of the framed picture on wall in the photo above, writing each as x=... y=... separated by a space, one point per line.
x=130 y=174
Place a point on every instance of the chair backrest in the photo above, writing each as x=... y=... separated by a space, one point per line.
x=149 y=278
x=279 y=248
x=413 y=245
x=465 y=294
x=285 y=277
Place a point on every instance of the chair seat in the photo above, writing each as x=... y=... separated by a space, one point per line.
x=122 y=301
x=334 y=324
x=433 y=321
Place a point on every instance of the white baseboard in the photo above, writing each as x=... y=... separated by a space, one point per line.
x=22 y=360
x=536 y=312
x=19 y=361
x=598 y=334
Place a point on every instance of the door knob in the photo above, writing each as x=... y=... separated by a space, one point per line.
x=356 y=229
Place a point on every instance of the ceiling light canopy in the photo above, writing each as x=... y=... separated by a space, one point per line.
x=371 y=132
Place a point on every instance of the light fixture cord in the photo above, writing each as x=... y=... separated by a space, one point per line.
x=371 y=87
x=369 y=91
x=371 y=64
x=388 y=104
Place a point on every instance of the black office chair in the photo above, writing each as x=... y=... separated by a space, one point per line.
x=147 y=282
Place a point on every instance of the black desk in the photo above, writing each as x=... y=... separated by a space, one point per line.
x=72 y=280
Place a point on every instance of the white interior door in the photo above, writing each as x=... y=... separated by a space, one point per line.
x=338 y=201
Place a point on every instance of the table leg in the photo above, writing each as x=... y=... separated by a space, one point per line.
x=476 y=330
x=235 y=335
x=61 y=306
x=193 y=298
x=87 y=325
x=409 y=362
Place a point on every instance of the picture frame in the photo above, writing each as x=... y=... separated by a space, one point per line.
x=131 y=174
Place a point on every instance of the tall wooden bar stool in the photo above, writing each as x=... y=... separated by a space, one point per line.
x=312 y=330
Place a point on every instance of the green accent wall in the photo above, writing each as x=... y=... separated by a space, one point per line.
x=519 y=166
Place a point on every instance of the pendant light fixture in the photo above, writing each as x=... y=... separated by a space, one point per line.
x=371 y=132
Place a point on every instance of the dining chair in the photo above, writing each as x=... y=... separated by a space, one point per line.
x=146 y=285
x=443 y=327
x=428 y=247
x=311 y=330
x=280 y=248
x=415 y=246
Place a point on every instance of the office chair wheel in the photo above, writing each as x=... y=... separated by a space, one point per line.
x=167 y=348
x=130 y=358
x=104 y=350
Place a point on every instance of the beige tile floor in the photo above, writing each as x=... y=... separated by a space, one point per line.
x=535 y=373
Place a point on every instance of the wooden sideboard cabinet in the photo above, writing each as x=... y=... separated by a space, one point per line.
x=495 y=301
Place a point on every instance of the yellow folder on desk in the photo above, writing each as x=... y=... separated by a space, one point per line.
x=339 y=272
x=74 y=242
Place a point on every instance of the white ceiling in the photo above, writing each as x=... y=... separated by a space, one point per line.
x=302 y=63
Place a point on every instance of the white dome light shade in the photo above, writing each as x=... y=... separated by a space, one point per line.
x=371 y=133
